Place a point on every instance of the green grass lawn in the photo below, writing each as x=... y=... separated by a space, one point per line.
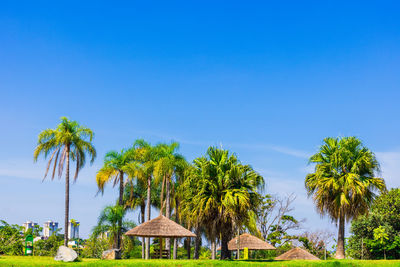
x=48 y=261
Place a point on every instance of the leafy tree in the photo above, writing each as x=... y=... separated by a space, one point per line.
x=316 y=243
x=94 y=247
x=381 y=237
x=343 y=184
x=116 y=165
x=69 y=141
x=11 y=242
x=48 y=247
x=274 y=219
x=384 y=214
x=35 y=231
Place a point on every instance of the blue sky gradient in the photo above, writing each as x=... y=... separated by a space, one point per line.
x=266 y=80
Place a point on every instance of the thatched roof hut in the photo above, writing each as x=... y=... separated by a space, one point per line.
x=297 y=254
x=160 y=227
x=249 y=241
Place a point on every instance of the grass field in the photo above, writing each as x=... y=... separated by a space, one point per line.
x=48 y=261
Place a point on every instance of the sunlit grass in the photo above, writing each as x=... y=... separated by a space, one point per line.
x=49 y=261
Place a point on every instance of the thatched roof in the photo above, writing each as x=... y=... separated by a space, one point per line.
x=160 y=227
x=297 y=254
x=249 y=241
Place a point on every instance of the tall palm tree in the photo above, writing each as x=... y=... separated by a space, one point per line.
x=164 y=171
x=145 y=155
x=181 y=174
x=135 y=195
x=116 y=165
x=108 y=222
x=69 y=141
x=205 y=212
x=343 y=184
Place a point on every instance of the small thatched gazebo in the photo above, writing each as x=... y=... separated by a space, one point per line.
x=249 y=241
x=297 y=254
x=160 y=227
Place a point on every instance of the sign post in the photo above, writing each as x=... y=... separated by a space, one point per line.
x=29 y=245
x=246 y=253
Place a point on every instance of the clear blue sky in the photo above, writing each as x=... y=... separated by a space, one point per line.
x=267 y=80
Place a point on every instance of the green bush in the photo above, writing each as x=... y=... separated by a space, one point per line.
x=48 y=247
x=385 y=215
x=11 y=239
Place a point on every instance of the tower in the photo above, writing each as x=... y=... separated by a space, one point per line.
x=73 y=229
x=49 y=228
x=29 y=225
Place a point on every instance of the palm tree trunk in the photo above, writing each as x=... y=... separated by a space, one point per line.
x=142 y=209
x=226 y=236
x=167 y=211
x=197 y=243
x=162 y=197
x=66 y=199
x=161 y=210
x=177 y=221
x=213 y=248
x=120 y=202
x=188 y=248
x=148 y=203
x=238 y=244
x=340 y=243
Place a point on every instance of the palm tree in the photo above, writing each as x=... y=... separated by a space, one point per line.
x=344 y=182
x=69 y=141
x=145 y=156
x=109 y=222
x=164 y=171
x=181 y=174
x=135 y=197
x=115 y=166
x=221 y=193
x=241 y=201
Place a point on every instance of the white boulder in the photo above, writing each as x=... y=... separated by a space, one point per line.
x=65 y=254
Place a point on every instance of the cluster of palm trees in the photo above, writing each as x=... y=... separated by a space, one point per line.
x=137 y=171
x=215 y=195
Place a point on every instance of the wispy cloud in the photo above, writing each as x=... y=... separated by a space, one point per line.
x=390 y=166
x=280 y=149
x=268 y=147
x=22 y=168
x=27 y=169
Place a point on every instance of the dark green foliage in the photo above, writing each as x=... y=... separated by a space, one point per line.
x=48 y=247
x=94 y=247
x=385 y=218
x=131 y=248
x=35 y=231
x=11 y=239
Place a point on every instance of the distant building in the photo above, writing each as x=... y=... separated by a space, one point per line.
x=49 y=228
x=105 y=235
x=29 y=225
x=73 y=229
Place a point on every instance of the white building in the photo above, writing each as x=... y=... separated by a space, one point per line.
x=49 y=228
x=73 y=229
x=105 y=235
x=29 y=225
